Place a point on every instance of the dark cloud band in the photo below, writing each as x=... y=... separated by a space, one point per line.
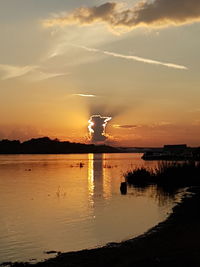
x=157 y=13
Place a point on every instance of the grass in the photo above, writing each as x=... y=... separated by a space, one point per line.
x=169 y=176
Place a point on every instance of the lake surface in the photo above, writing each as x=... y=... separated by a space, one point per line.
x=71 y=202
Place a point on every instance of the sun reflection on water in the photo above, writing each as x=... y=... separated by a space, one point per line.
x=107 y=189
x=91 y=177
x=99 y=178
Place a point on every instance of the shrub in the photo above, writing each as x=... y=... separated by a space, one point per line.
x=168 y=176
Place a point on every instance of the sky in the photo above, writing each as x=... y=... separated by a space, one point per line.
x=63 y=61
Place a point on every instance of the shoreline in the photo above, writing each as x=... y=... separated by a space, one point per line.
x=173 y=242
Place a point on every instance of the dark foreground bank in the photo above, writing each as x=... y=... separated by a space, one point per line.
x=175 y=242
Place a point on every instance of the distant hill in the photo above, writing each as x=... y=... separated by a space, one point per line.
x=45 y=145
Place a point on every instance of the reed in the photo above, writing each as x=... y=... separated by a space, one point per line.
x=167 y=175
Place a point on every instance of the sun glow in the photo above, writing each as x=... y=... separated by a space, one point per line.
x=105 y=122
x=91 y=124
x=97 y=127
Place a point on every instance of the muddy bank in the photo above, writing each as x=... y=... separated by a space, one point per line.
x=175 y=242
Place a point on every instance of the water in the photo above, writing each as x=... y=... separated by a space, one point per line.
x=52 y=202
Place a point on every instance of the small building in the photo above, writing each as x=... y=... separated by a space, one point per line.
x=175 y=149
x=170 y=152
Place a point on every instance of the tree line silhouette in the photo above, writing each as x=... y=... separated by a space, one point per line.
x=45 y=145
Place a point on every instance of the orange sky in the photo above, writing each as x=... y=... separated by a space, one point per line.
x=54 y=76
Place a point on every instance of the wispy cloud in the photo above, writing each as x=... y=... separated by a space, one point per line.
x=84 y=95
x=58 y=50
x=87 y=48
x=125 y=126
x=40 y=76
x=157 y=13
x=135 y=58
x=11 y=71
x=29 y=72
x=146 y=60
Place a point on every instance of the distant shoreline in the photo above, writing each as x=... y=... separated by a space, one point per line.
x=45 y=145
x=174 y=242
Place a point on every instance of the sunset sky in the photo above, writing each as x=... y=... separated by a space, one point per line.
x=136 y=61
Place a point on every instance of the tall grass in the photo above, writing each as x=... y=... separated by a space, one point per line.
x=168 y=175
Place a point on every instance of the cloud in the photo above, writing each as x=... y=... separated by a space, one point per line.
x=84 y=95
x=145 y=60
x=135 y=58
x=84 y=15
x=97 y=127
x=32 y=72
x=11 y=71
x=157 y=13
x=125 y=126
x=40 y=75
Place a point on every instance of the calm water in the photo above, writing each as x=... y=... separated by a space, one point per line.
x=47 y=202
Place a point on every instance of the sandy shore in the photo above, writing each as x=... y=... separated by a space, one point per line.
x=174 y=242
